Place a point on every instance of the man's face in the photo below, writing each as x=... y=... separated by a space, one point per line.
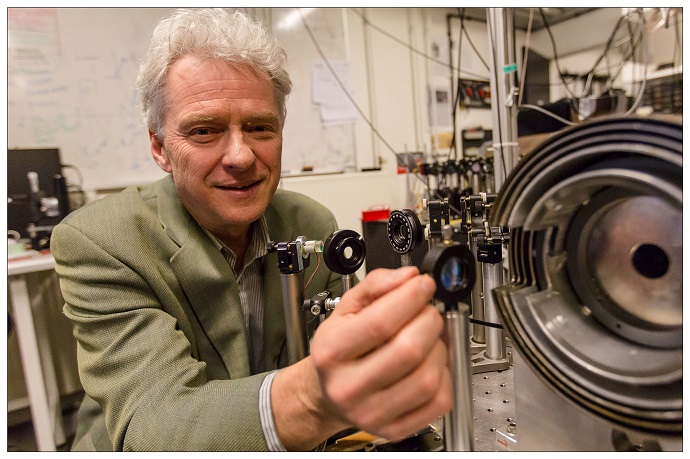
x=222 y=143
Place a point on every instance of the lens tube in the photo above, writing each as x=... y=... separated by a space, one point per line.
x=405 y=231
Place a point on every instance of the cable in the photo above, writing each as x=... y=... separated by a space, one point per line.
x=486 y=324
x=76 y=187
x=605 y=52
x=318 y=263
x=619 y=68
x=677 y=45
x=426 y=56
x=492 y=37
x=342 y=86
x=524 y=58
x=453 y=149
x=555 y=53
x=607 y=48
x=644 y=66
x=627 y=55
x=546 y=112
x=76 y=169
x=463 y=28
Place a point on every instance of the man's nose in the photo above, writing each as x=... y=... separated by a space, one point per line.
x=238 y=154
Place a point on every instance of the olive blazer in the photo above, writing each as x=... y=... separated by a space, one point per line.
x=162 y=347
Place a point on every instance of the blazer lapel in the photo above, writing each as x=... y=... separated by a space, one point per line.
x=208 y=282
x=274 y=316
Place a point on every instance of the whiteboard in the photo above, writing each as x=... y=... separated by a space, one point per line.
x=307 y=139
x=72 y=85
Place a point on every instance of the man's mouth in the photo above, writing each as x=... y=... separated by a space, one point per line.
x=240 y=187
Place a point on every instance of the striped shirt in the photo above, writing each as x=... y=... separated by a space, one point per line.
x=249 y=281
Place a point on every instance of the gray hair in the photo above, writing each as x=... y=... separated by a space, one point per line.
x=208 y=33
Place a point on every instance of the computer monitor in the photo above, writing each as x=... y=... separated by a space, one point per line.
x=24 y=205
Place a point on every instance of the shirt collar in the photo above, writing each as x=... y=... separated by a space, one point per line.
x=257 y=246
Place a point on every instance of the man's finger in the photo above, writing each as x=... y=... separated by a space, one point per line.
x=376 y=284
x=415 y=390
x=377 y=323
x=403 y=353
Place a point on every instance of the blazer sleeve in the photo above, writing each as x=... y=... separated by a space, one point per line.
x=137 y=363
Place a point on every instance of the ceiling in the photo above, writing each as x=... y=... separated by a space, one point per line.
x=521 y=16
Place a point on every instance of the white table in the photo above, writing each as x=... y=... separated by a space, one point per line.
x=34 y=348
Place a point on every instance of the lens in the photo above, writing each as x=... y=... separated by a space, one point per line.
x=400 y=233
x=451 y=275
x=452 y=267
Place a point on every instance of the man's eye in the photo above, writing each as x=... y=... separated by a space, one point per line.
x=201 y=132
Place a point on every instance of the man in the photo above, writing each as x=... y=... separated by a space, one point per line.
x=176 y=308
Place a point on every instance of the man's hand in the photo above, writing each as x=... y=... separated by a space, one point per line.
x=377 y=363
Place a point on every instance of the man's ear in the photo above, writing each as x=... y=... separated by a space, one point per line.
x=160 y=156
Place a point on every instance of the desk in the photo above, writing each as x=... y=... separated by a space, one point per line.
x=34 y=348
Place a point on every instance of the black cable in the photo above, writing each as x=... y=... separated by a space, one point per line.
x=486 y=324
x=342 y=86
x=449 y=34
x=633 y=46
x=463 y=28
x=645 y=63
x=555 y=53
x=607 y=47
x=453 y=141
x=675 y=76
x=492 y=37
x=558 y=66
x=677 y=44
x=414 y=50
x=453 y=149
x=627 y=55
